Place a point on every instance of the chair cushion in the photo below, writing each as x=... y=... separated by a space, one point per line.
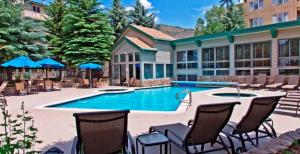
x=178 y=128
x=289 y=87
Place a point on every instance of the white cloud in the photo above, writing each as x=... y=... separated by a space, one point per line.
x=146 y=4
x=101 y=6
x=129 y=8
x=203 y=9
x=156 y=20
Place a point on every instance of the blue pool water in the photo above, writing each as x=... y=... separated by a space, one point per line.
x=154 y=99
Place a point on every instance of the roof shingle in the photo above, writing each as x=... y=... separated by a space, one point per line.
x=154 y=33
x=139 y=43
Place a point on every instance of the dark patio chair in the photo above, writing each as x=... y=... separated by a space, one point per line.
x=256 y=120
x=208 y=122
x=102 y=133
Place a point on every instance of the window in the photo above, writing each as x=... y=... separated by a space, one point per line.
x=192 y=77
x=138 y=71
x=256 y=4
x=160 y=71
x=130 y=57
x=130 y=71
x=243 y=55
x=36 y=9
x=222 y=72
x=279 y=2
x=289 y=52
x=181 y=77
x=280 y=17
x=169 y=70
x=116 y=74
x=208 y=58
x=148 y=71
x=137 y=56
x=261 y=71
x=208 y=73
x=262 y=54
x=122 y=58
x=187 y=59
x=222 y=57
x=181 y=56
x=116 y=58
x=255 y=22
x=242 y=72
x=288 y=71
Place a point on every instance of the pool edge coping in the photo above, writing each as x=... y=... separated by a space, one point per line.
x=183 y=107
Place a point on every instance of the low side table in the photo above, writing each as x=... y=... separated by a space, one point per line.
x=152 y=140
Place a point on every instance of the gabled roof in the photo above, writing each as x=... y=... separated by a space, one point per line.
x=153 y=33
x=139 y=43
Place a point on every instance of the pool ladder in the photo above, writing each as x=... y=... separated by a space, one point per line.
x=181 y=100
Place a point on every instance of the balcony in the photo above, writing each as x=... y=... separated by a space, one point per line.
x=34 y=15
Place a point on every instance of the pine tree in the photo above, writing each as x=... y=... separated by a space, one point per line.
x=54 y=24
x=200 y=27
x=140 y=16
x=118 y=17
x=19 y=36
x=88 y=33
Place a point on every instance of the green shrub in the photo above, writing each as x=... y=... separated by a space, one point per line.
x=19 y=133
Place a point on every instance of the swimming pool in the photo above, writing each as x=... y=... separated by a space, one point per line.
x=152 y=99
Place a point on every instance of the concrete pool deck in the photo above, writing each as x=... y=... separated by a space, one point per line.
x=57 y=127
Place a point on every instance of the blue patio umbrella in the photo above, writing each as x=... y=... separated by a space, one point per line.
x=90 y=66
x=21 y=62
x=49 y=63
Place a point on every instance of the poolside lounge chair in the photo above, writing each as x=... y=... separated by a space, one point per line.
x=291 y=100
x=278 y=83
x=85 y=83
x=48 y=85
x=20 y=88
x=3 y=86
x=292 y=83
x=102 y=133
x=255 y=121
x=208 y=122
x=261 y=80
x=248 y=81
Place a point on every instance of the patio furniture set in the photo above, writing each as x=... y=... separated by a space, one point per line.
x=107 y=132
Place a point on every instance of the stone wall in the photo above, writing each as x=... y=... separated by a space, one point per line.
x=156 y=82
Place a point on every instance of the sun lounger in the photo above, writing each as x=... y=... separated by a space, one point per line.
x=48 y=85
x=3 y=86
x=248 y=81
x=278 y=83
x=261 y=80
x=208 y=123
x=102 y=133
x=254 y=121
x=292 y=83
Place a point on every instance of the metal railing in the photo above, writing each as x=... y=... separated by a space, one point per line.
x=186 y=92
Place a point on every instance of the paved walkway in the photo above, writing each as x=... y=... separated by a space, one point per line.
x=57 y=127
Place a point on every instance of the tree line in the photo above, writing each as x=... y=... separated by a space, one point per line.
x=75 y=31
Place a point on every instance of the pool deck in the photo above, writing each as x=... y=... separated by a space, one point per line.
x=57 y=127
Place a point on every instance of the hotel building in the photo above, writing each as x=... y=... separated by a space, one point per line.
x=153 y=58
x=264 y=12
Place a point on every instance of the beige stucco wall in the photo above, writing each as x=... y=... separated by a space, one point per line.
x=270 y=9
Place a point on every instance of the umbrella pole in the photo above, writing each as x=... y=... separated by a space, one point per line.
x=91 y=78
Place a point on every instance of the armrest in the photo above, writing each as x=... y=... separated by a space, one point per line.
x=173 y=133
x=130 y=143
x=190 y=123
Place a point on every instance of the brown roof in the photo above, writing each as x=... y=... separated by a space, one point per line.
x=154 y=33
x=139 y=42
